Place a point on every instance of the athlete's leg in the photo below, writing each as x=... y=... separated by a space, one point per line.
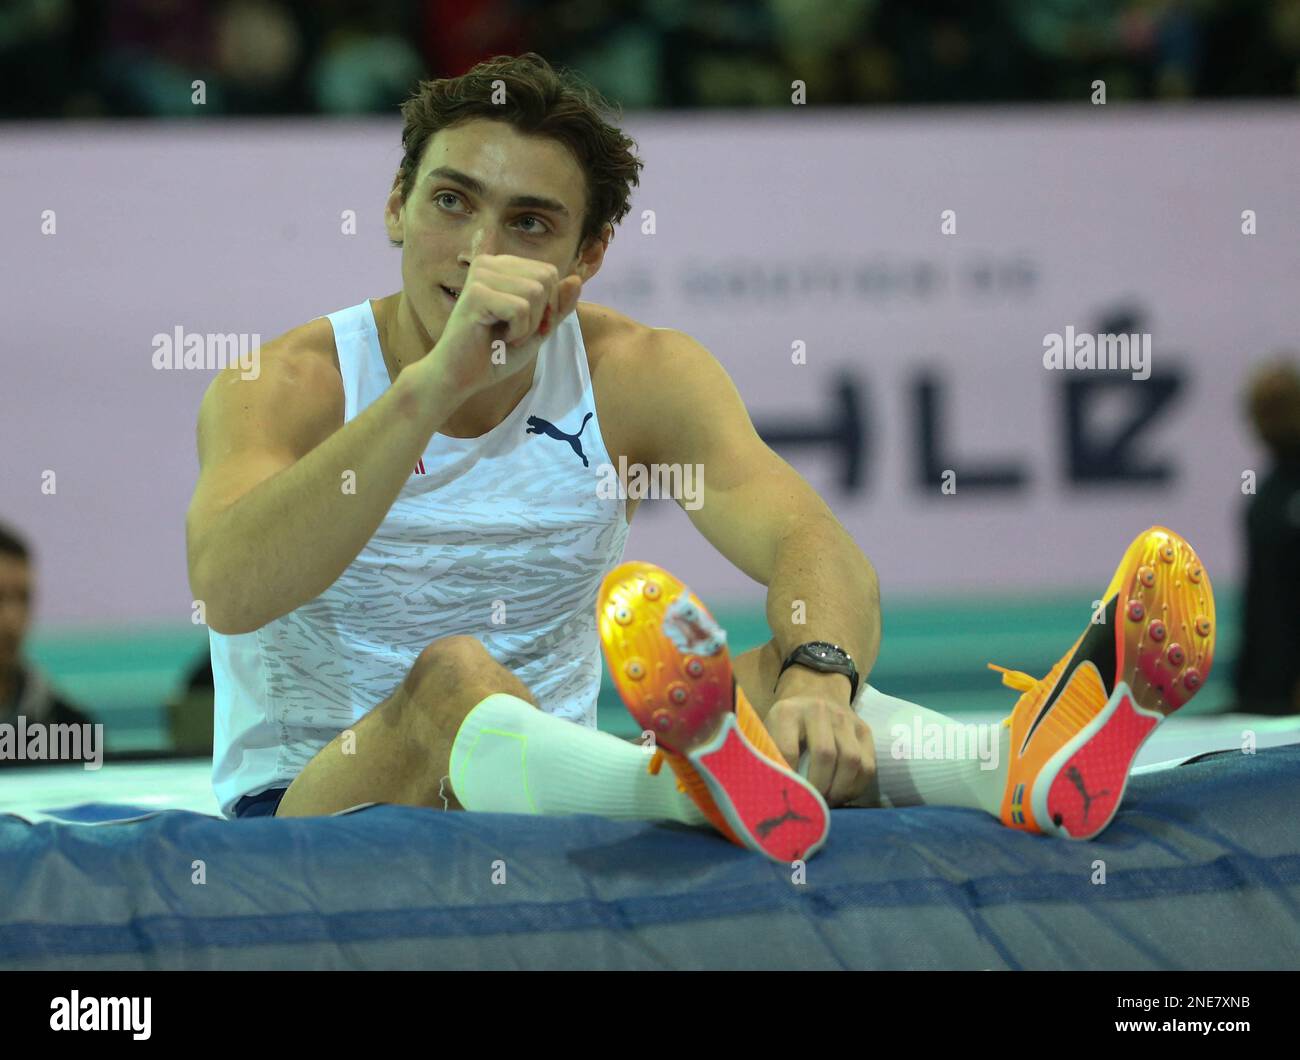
x=969 y=770
x=464 y=729
x=1061 y=761
x=756 y=672
x=399 y=752
x=924 y=758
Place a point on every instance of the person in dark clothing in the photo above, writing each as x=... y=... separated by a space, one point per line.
x=24 y=690
x=1268 y=663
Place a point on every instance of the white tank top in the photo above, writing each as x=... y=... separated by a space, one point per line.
x=502 y=537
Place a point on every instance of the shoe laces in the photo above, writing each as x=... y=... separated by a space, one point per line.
x=657 y=763
x=1017 y=679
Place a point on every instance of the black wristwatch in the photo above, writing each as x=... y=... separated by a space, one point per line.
x=826 y=657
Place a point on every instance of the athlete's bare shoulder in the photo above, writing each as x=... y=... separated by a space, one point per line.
x=313 y=340
x=616 y=345
x=622 y=344
x=646 y=377
x=294 y=392
x=611 y=337
x=307 y=347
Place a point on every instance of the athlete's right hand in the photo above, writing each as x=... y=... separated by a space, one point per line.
x=506 y=310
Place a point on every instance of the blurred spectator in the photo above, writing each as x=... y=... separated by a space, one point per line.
x=367 y=63
x=1268 y=663
x=454 y=35
x=190 y=713
x=259 y=58
x=620 y=46
x=153 y=51
x=24 y=691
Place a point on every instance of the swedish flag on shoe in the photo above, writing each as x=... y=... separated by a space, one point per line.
x=1075 y=732
x=669 y=660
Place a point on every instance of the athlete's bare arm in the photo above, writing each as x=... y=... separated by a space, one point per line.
x=270 y=525
x=757 y=510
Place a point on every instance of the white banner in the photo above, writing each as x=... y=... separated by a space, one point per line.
x=923 y=263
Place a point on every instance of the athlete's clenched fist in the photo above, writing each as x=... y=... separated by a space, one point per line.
x=506 y=309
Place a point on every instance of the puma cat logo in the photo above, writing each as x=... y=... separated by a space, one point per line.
x=1076 y=778
x=537 y=425
x=763 y=827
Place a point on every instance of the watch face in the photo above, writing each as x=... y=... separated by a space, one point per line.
x=826 y=652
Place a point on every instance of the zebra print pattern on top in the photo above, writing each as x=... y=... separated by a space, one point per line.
x=502 y=537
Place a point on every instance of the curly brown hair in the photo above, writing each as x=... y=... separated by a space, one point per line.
x=538 y=100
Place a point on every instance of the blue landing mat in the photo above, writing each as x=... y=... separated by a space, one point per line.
x=1201 y=871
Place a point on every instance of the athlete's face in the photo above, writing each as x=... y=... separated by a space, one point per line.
x=485 y=188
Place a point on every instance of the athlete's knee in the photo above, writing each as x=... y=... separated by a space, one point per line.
x=447 y=661
x=450 y=668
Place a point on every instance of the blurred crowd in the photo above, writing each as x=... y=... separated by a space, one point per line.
x=131 y=58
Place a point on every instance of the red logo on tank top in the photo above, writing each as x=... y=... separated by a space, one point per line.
x=419 y=468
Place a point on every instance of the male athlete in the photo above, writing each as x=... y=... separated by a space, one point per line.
x=407 y=567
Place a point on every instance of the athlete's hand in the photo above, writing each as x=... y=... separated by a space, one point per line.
x=840 y=750
x=505 y=311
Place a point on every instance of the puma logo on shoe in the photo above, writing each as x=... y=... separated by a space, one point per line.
x=537 y=425
x=1076 y=778
x=763 y=827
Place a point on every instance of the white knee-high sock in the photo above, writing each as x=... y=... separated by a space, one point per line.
x=924 y=758
x=510 y=757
